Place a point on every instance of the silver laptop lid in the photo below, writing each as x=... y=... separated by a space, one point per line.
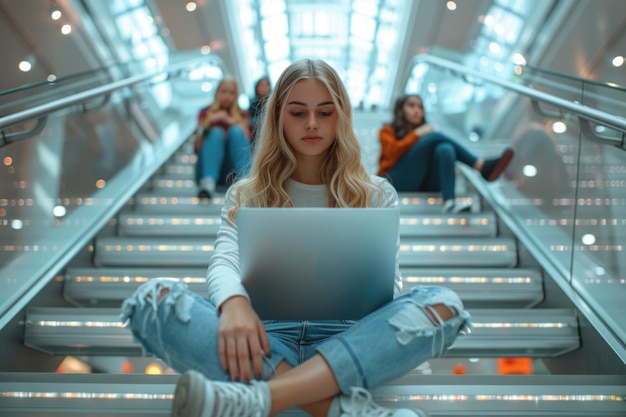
x=317 y=263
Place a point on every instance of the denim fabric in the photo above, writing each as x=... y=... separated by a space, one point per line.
x=222 y=153
x=429 y=165
x=181 y=329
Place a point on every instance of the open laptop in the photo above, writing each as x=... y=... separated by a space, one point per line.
x=317 y=263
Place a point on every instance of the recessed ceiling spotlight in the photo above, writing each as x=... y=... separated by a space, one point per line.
x=24 y=66
x=55 y=14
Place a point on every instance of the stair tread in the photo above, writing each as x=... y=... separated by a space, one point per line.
x=537 y=395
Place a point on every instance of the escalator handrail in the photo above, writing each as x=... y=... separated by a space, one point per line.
x=103 y=69
x=47 y=108
x=584 y=113
x=571 y=77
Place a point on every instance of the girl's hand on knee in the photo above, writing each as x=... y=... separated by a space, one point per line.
x=242 y=340
x=423 y=130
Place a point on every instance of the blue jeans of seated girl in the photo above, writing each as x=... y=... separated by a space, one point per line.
x=222 y=152
x=181 y=329
x=429 y=165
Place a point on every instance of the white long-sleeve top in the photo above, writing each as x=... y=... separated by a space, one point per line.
x=223 y=276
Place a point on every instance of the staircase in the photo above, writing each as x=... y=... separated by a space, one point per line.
x=166 y=231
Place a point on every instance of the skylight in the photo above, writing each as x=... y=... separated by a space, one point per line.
x=496 y=45
x=359 y=38
x=500 y=35
x=138 y=30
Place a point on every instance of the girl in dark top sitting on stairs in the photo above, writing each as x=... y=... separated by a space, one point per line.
x=416 y=158
x=262 y=89
x=235 y=364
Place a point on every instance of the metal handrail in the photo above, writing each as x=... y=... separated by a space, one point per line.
x=45 y=109
x=584 y=113
x=61 y=80
x=571 y=77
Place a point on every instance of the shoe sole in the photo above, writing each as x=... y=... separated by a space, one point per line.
x=204 y=195
x=462 y=210
x=503 y=162
x=189 y=395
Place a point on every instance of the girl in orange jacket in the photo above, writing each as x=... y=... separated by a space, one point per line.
x=416 y=158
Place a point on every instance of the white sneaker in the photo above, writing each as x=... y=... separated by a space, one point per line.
x=424 y=369
x=206 y=188
x=196 y=396
x=450 y=207
x=360 y=404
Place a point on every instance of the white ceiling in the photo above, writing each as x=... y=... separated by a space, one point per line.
x=579 y=39
x=431 y=25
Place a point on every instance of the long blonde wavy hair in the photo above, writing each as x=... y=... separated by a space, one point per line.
x=234 y=110
x=274 y=161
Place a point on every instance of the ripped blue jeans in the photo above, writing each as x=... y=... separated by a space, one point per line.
x=181 y=329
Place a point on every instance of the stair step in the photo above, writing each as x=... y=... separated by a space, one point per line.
x=484 y=287
x=453 y=225
x=110 y=286
x=168 y=186
x=429 y=202
x=458 y=252
x=497 y=333
x=182 y=158
x=144 y=202
x=132 y=224
x=176 y=170
x=185 y=201
x=126 y=395
x=196 y=252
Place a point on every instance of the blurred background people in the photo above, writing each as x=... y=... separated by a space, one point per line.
x=222 y=140
x=414 y=157
x=262 y=89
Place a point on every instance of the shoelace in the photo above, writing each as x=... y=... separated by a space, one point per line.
x=361 y=405
x=239 y=400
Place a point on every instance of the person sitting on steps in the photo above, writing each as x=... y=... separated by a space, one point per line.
x=414 y=157
x=233 y=364
x=262 y=89
x=222 y=142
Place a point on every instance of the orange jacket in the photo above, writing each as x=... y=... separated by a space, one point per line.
x=392 y=149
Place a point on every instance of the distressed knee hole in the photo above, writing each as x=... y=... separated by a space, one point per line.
x=440 y=313
x=153 y=294
x=414 y=320
x=162 y=293
x=410 y=322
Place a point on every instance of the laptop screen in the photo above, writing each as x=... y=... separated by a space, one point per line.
x=317 y=263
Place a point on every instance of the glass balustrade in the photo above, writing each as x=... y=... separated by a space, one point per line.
x=565 y=188
x=60 y=184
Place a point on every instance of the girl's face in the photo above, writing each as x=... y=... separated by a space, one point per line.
x=310 y=119
x=226 y=94
x=413 y=111
x=263 y=88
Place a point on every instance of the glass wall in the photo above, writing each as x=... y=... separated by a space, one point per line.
x=64 y=181
x=565 y=188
